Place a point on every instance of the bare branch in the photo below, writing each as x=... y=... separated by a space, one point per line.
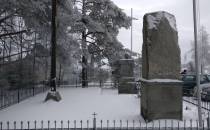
x=2 y=58
x=12 y=33
x=7 y=17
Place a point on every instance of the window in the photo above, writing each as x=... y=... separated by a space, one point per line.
x=189 y=78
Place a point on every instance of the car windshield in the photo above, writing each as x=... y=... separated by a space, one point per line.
x=189 y=78
x=204 y=78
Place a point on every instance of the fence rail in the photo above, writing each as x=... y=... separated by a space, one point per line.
x=10 y=97
x=104 y=125
x=205 y=105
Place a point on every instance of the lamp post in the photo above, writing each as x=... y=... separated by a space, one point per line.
x=132 y=18
x=197 y=63
x=131 y=30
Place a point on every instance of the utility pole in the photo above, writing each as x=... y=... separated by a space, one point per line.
x=131 y=30
x=197 y=63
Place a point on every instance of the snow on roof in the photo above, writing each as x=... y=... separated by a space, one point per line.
x=155 y=18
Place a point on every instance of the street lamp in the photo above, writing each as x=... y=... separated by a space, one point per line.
x=132 y=18
x=197 y=63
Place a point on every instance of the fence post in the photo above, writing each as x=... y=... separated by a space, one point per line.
x=7 y=125
x=81 y=124
x=42 y=125
x=68 y=122
x=87 y=124
x=48 y=124
x=208 y=121
x=61 y=124
x=100 y=83
x=1 y=124
x=75 y=126
x=120 y=124
x=33 y=91
x=21 y=125
x=14 y=125
x=1 y=105
x=101 y=124
x=18 y=95
x=28 y=125
x=76 y=82
x=94 y=121
x=55 y=122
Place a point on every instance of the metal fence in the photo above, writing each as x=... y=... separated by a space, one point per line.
x=193 y=100
x=104 y=125
x=10 y=97
x=92 y=84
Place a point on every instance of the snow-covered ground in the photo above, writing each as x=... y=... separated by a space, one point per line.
x=80 y=103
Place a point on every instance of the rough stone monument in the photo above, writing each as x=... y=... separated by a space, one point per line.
x=126 y=76
x=161 y=90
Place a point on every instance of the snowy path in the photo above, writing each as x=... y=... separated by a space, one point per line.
x=80 y=103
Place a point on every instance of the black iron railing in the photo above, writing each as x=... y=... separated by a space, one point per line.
x=105 y=125
x=10 y=97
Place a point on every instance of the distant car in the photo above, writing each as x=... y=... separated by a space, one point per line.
x=189 y=83
x=205 y=93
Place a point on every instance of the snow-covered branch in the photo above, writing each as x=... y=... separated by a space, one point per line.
x=12 y=33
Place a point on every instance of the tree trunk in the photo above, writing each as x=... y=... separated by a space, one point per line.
x=84 y=72
x=46 y=63
x=34 y=60
x=10 y=50
x=59 y=77
x=84 y=52
x=53 y=47
x=21 y=55
x=4 y=48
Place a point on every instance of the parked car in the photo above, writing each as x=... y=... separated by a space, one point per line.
x=189 y=83
x=205 y=93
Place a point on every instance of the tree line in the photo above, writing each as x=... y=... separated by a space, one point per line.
x=86 y=35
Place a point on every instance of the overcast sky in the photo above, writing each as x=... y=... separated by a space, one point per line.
x=182 y=9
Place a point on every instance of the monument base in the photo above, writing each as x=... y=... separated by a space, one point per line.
x=53 y=96
x=127 y=86
x=161 y=99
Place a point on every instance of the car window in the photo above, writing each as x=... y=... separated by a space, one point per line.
x=189 y=78
x=206 y=89
x=208 y=76
x=204 y=79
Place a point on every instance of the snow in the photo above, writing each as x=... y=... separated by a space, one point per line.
x=161 y=80
x=76 y=104
x=80 y=103
x=153 y=21
x=127 y=59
